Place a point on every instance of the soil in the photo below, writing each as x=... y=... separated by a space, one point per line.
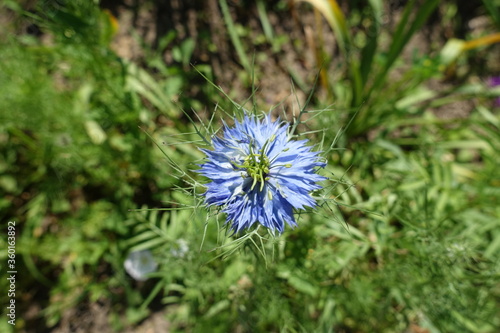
x=93 y=317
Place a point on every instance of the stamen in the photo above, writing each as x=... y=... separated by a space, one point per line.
x=257 y=166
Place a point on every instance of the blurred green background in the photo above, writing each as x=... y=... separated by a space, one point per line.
x=100 y=105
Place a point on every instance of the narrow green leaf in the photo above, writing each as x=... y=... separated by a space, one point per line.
x=231 y=29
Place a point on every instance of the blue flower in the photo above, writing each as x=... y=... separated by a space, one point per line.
x=259 y=174
x=495 y=82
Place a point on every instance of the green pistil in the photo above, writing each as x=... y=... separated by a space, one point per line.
x=257 y=167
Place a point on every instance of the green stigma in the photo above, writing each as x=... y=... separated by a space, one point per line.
x=257 y=167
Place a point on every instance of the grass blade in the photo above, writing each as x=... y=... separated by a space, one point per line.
x=231 y=29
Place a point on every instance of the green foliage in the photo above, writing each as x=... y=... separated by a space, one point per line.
x=74 y=155
x=368 y=86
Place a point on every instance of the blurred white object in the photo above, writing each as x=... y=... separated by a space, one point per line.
x=180 y=249
x=140 y=263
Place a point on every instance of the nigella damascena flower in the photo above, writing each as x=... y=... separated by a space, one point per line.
x=259 y=174
x=495 y=82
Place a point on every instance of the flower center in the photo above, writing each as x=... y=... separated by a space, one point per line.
x=257 y=167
